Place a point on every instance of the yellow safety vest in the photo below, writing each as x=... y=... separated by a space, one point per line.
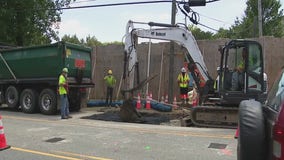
x=62 y=80
x=183 y=80
x=110 y=80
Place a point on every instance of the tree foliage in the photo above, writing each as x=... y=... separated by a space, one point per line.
x=29 y=22
x=89 y=41
x=272 y=18
x=223 y=33
x=247 y=26
x=71 y=39
x=199 y=34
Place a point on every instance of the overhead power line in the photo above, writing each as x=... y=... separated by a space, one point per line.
x=210 y=1
x=125 y=3
x=114 y=4
x=193 y=19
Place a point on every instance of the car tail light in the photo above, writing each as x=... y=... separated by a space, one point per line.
x=278 y=136
x=278 y=142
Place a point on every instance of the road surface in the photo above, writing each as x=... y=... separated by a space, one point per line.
x=36 y=136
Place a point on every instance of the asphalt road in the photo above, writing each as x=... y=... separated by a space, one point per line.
x=36 y=136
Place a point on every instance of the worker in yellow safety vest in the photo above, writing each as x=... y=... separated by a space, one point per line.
x=63 y=92
x=183 y=81
x=110 y=82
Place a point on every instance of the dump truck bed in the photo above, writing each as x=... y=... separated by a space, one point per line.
x=46 y=62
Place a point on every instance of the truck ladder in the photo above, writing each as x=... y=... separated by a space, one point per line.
x=12 y=73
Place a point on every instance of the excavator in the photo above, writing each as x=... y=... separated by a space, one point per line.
x=218 y=100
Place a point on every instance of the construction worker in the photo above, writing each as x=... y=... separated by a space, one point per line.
x=110 y=83
x=237 y=76
x=63 y=92
x=183 y=81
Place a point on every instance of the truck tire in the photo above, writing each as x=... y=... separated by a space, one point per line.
x=29 y=101
x=48 y=102
x=12 y=97
x=251 y=140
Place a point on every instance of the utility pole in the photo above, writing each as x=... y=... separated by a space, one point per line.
x=259 y=19
x=171 y=56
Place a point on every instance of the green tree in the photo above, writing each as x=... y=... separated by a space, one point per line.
x=72 y=39
x=92 y=41
x=30 y=22
x=199 y=34
x=273 y=25
x=114 y=42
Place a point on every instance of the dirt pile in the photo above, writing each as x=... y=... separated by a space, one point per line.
x=178 y=117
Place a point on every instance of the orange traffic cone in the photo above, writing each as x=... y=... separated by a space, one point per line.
x=237 y=133
x=175 y=103
x=3 y=143
x=138 y=103
x=148 y=105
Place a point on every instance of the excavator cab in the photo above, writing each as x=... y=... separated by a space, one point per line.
x=241 y=76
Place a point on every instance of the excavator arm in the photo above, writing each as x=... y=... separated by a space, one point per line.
x=179 y=34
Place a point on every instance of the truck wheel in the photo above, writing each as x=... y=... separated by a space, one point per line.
x=47 y=102
x=251 y=140
x=28 y=100
x=12 y=97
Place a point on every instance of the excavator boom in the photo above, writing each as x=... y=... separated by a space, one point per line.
x=179 y=34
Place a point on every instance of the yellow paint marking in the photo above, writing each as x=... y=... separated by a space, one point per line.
x=44 y=154
x=183 y=133
x=83 y=156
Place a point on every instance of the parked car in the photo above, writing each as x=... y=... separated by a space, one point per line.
x=261 y=126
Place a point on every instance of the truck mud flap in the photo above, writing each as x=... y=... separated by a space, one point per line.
x=215 y=116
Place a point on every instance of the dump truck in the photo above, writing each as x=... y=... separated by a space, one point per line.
x=29 y=76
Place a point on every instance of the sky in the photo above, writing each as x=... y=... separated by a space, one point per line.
x=108 y=24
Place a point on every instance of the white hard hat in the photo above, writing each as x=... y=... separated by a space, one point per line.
x=65 y=70
x=183 y=69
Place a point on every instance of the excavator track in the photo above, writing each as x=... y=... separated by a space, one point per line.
x=215 y=116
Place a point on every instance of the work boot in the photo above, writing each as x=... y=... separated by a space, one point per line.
x=69 y=116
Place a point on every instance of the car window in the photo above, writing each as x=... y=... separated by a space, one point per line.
x=276 y=94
